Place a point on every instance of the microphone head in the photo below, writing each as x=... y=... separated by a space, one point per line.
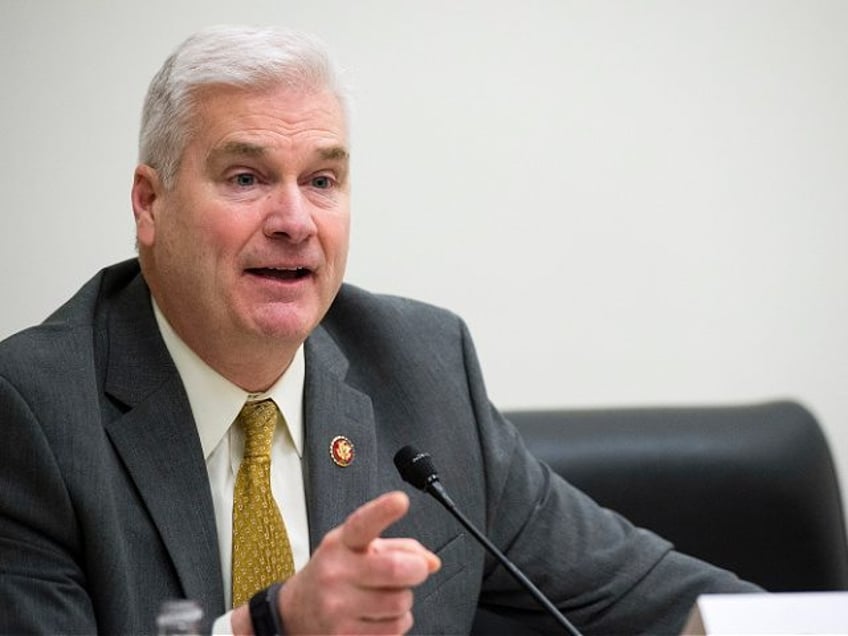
x=416 y=467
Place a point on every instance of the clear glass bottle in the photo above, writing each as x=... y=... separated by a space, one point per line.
x=179 y=616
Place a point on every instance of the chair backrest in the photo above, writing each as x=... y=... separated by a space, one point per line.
x=749 y=488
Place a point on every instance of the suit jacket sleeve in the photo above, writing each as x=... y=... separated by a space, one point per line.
x=605 y=574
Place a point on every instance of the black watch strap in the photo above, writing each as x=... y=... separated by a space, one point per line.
x=264 y=612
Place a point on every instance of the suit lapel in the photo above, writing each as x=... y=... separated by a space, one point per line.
x=333 y=408
x=158 y=442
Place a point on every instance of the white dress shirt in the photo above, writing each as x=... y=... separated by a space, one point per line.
x=215 y=402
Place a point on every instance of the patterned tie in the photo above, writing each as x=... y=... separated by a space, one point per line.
x=261 y=549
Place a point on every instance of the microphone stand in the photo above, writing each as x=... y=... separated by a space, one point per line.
x=438 y=491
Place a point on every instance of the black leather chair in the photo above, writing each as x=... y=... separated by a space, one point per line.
x=750 y=488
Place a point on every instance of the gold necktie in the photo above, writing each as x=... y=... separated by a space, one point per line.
x=261 y=551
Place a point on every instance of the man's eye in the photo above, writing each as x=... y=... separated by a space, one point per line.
x=322 y=183
x=244 y=179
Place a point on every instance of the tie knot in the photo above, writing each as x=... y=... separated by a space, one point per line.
x=258 y=420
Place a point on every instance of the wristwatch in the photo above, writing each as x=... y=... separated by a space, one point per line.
x=265 y=613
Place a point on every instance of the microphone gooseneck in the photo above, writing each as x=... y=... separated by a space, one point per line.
x=416 y=468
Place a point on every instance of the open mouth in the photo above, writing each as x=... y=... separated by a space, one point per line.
x=295 y=273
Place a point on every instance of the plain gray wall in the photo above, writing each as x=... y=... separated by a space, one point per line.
x=633 y=202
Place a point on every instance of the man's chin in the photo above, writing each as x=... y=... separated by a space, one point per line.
x=288 y=329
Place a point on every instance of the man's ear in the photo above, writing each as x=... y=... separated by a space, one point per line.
x=147 y=189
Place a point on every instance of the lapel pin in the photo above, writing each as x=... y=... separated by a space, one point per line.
x=341 y=450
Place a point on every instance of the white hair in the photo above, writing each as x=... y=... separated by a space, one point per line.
x=244 y=57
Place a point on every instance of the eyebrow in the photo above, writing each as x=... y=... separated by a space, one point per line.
x=334 y=153
x=247 y=149
x=235 y=148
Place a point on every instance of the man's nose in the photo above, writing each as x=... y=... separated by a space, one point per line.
x=289 y=214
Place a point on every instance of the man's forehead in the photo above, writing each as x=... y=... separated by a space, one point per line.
x=232 y=111
x=320 y=97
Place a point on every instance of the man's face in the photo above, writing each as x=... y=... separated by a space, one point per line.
x=248 y=248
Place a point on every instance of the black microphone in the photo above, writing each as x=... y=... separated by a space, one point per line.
x=417 y=469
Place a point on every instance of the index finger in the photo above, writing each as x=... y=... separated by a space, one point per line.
x=367 y=522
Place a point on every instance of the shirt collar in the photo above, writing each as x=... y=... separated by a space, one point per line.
x=215 y=401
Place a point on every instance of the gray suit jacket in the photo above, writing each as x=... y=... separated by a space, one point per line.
x=105 y=506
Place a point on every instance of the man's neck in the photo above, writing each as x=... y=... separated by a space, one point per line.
x=253 y=365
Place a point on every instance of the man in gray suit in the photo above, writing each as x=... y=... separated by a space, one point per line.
x=119 y=458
